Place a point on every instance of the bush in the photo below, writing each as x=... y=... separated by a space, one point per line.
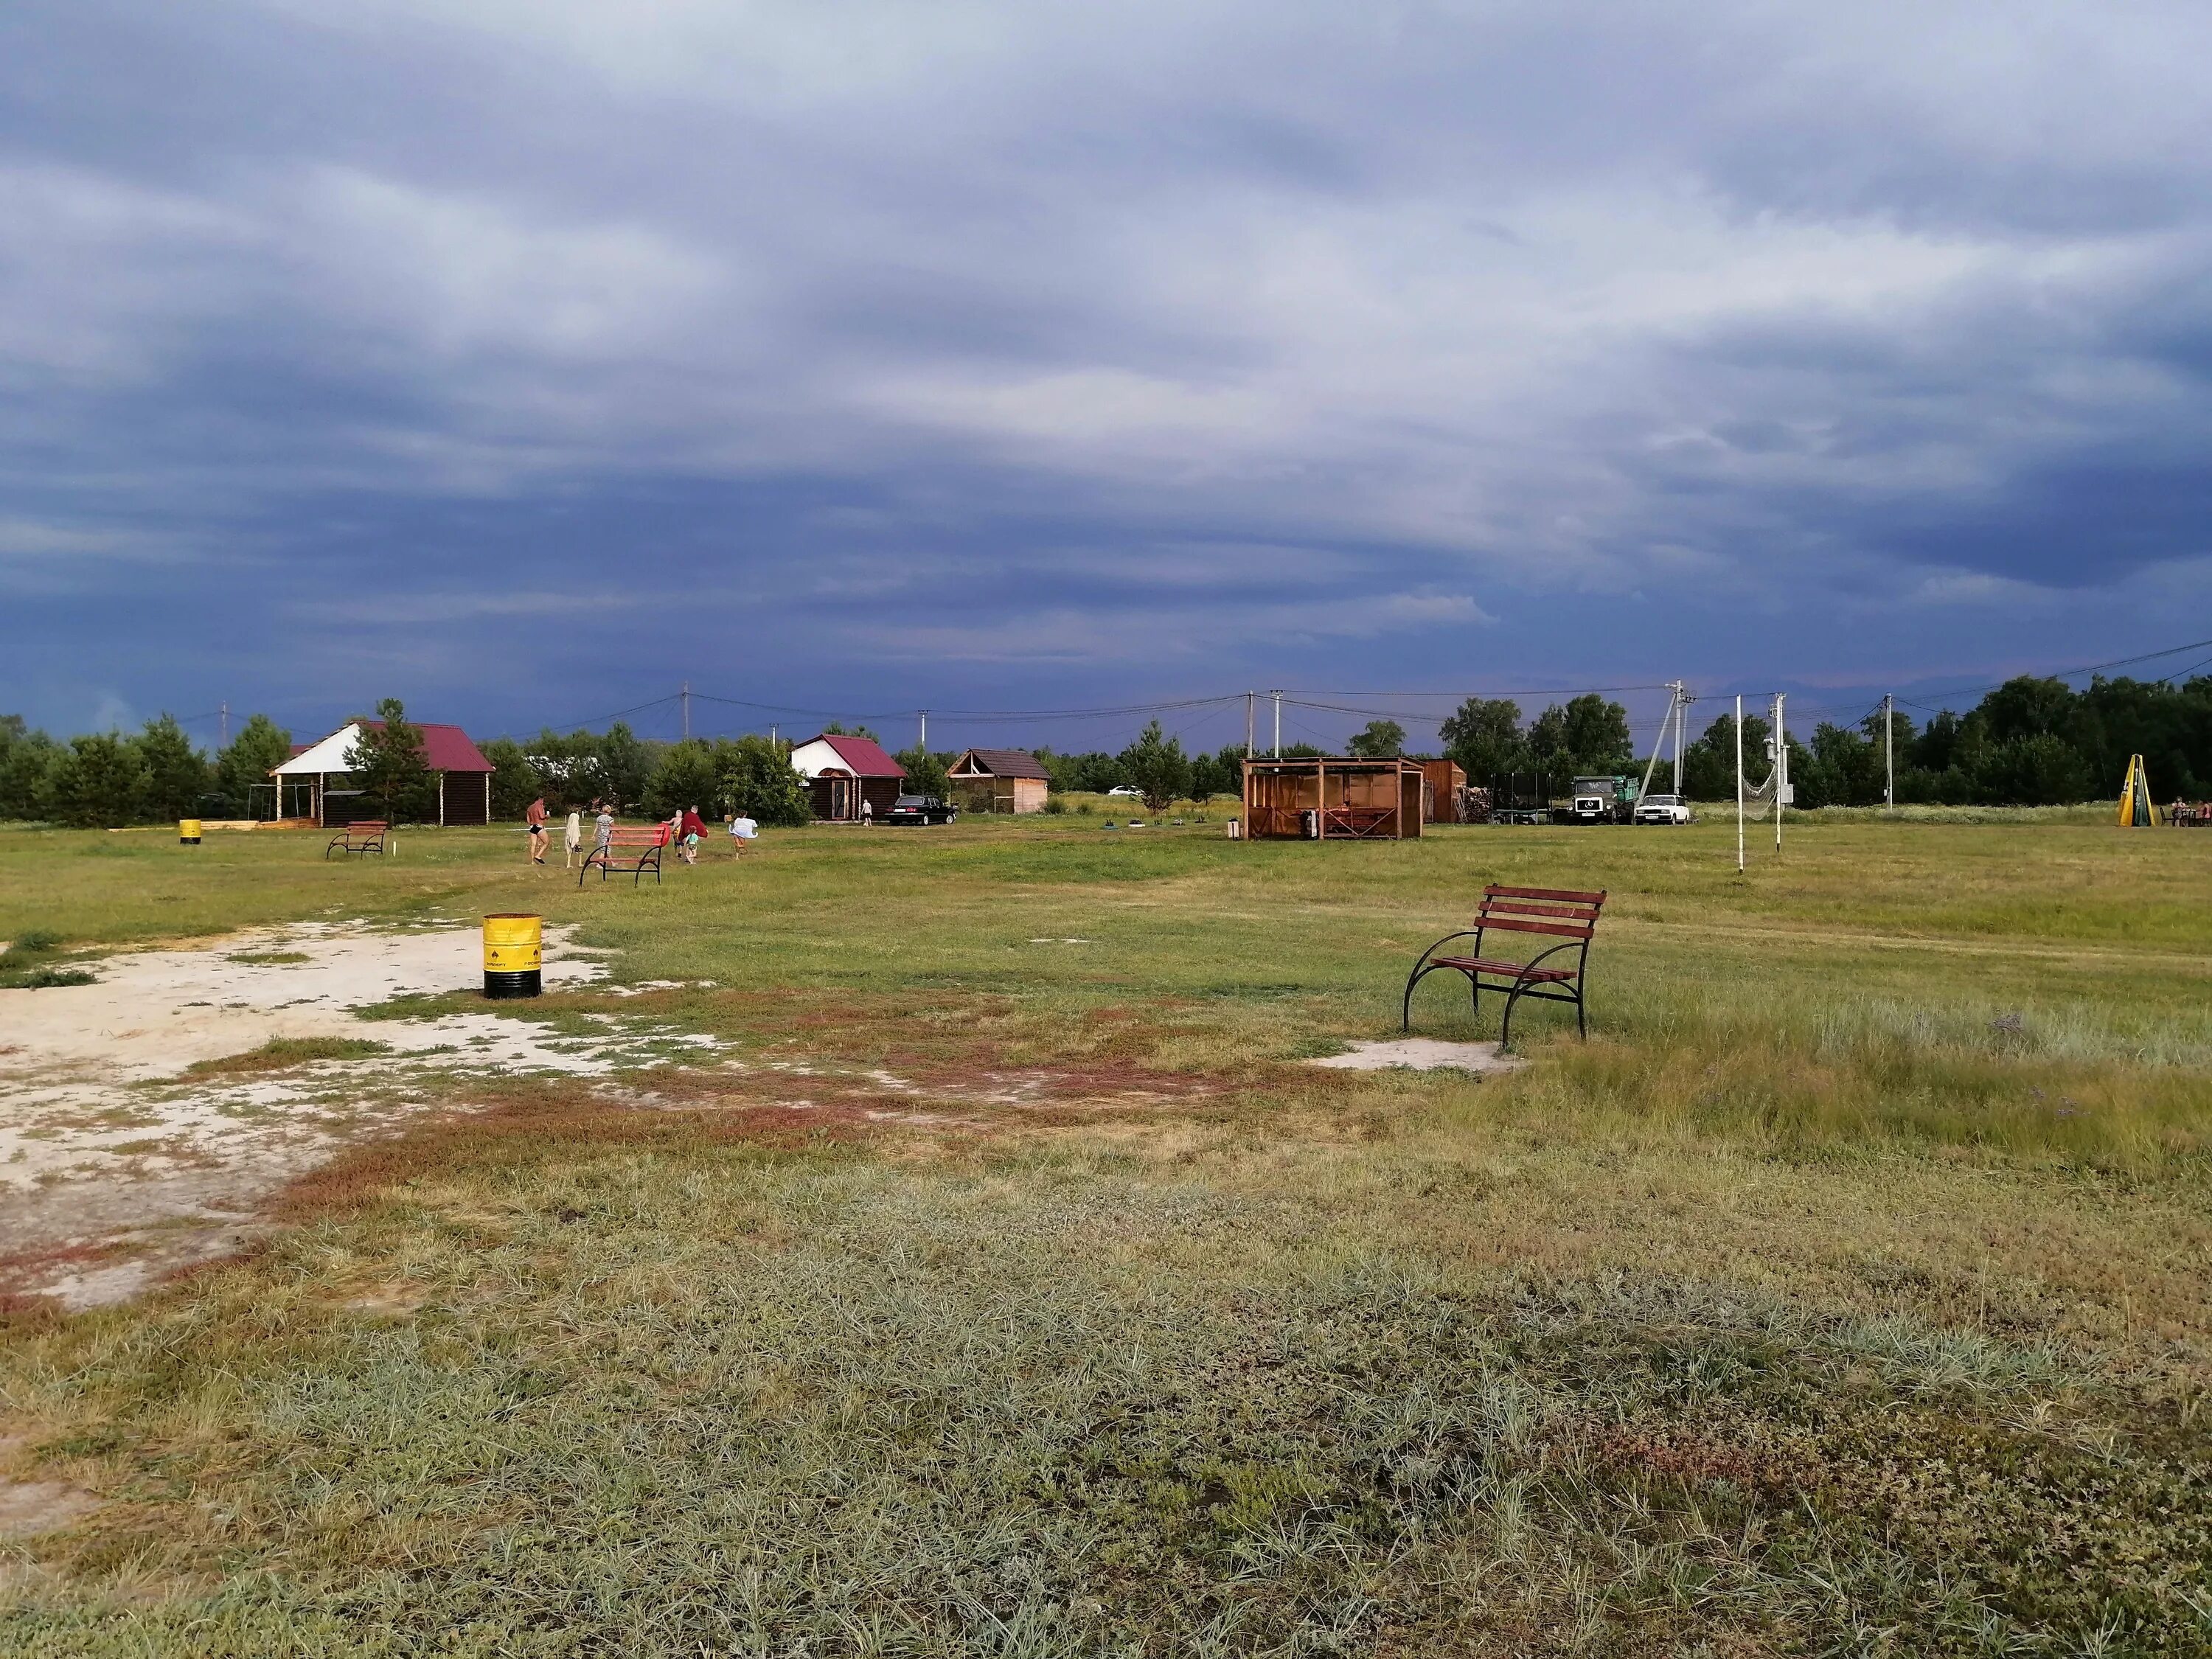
x=753 y=776
x=95 y=783
x=684 y=778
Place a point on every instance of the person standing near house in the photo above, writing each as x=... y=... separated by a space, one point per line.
x=535 y=819
x=868 y=813
x=572 y=839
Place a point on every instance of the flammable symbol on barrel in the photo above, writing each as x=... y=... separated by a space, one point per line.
x=513 y=956
x=188 y=832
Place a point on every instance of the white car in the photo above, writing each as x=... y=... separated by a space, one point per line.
x=1126 y=790
x=1663 y=809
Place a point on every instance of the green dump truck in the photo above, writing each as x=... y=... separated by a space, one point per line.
x=1604 y=801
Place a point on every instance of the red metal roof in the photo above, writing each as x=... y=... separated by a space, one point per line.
x=863 y=756
x=444 y=748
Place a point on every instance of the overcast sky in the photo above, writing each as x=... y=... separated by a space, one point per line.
x=525 y=358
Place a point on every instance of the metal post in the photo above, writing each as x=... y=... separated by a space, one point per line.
x=687 y=711
x=924 y=730
x=1889 y=751
x=1278 y=696
x=1780 y=767
x=1251 y=697
x=224 y=741
x=1739 y=783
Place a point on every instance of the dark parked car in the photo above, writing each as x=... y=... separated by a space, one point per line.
x=921 y=809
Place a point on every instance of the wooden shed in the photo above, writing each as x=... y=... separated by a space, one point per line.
x=1333 y=798
x=1444 y=791
x=843 y=771
x=999 y=780
x=306 y=781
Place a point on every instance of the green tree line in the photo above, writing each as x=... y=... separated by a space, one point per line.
x=2030 y=742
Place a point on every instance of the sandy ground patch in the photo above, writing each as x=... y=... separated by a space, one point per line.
x=1421 y=1054
x=116 y=1164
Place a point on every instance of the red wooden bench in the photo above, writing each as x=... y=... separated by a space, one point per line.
x=364 y=837
x=1540 y=910
x=628 y=852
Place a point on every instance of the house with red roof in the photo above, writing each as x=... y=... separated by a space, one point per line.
x=316 y=776
x=843 y=771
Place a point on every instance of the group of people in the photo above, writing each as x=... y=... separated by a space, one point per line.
x=687 y=832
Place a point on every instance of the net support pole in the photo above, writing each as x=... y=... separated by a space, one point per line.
x=1739 y=783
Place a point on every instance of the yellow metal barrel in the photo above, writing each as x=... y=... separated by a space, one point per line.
x=188 y=832
x=514 y=951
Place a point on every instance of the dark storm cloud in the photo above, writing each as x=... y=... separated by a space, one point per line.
x=511 y=355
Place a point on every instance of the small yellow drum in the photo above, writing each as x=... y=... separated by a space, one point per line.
x=513 y=956
x=188 y=832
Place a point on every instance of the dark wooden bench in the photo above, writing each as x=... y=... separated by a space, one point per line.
x=1540 y=910
x=365 y=836
x=630 y=852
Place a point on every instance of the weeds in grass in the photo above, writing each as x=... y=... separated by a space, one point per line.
x=281 y=1054
x=26 y=965
x=663 y=1400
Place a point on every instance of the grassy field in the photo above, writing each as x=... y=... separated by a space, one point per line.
x=1846 y=1292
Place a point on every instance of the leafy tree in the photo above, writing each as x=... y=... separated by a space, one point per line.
x=685 y=777
x=176 y=773
x=569 y=773
x=1158 y=767
x=625 y=764
x=925 y=772
x=28 y=758
x=2027 y=707
x=1484 y=736
x=753 y=775
x=387 y=761
x=1594 y=738
x=2039 y=770
x=834 y=730
x=1709 y=763
x=1219 y=774
x=1095 y=771
x=515 y=779
x=1379 y=741
x=260 y=747
x=95 y=783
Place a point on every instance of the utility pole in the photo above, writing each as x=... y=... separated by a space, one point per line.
x=224 y=742
x=924 y=730
x=1781 y=767
x=1889 y=751
x=1278 y=696
x=687 y=711
x=1739 y=783
x=1675 y=697
x=1251 y=697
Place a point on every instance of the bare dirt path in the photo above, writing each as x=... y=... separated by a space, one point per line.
x=118 y=1160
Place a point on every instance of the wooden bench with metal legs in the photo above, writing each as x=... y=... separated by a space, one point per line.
x=1540 y=910
x=366 y=836
x=628 y=852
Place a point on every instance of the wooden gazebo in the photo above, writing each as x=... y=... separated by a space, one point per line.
x=1331 y=798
